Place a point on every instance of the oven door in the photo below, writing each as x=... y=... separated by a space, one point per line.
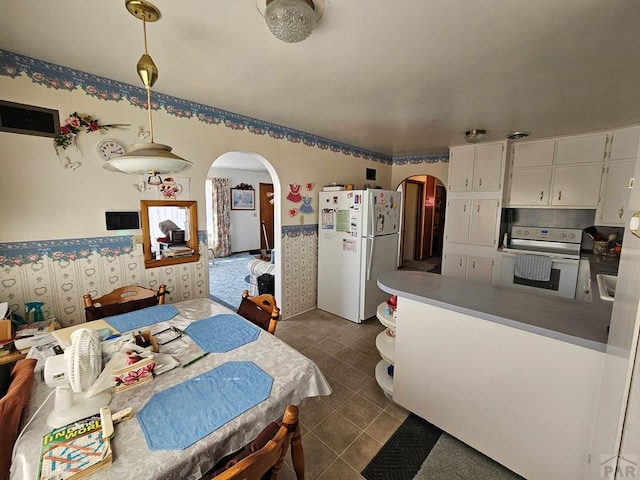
x=563 y=281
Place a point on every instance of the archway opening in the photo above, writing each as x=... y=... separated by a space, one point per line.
x=424 y=199
x=242 y=190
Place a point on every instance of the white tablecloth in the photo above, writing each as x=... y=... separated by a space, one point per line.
x=295 y=378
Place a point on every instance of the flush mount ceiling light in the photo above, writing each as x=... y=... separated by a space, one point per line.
x=147 y=158
x=291 y=20
x=475 y=135
x=518 y=135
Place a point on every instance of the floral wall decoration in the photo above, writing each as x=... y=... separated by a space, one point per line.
x=155 y=187
x=75 y=124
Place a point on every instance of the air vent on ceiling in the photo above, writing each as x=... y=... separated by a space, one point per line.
x=518 y=135
x=29 y=120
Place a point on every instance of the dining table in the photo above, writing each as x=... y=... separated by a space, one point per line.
x=294 y=378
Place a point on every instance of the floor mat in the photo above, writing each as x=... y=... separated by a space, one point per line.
x=404 y=453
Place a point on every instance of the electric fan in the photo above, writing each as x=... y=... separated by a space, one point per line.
x=72 y=374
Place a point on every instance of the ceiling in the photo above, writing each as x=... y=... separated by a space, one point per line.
x=395 y=77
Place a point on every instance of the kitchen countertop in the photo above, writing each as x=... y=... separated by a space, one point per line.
x=580 y=323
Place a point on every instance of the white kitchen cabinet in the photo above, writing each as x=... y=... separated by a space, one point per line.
x=484 y=214
x=455 y=265
x=457 y=223
x=530 y=186
x=461 y=160
x=581 y=149
x=577 y=185
x=488 y=168
x=624 y=144
x=479 y=268
x=478 y=168
x=613 y=210
x=533 y=154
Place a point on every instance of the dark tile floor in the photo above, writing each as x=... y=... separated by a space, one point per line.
x=341 y=432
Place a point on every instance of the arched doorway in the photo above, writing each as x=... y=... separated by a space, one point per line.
x=424 y=204
x=248 y=238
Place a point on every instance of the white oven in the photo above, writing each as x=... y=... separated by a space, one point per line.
x=557 y=250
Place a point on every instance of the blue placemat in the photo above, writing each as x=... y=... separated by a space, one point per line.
x=222 y=332
x=176 y=418
x=141 y=318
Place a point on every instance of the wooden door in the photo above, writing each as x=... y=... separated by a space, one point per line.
x=439 y=213
x=412 y=202
x=266 y=216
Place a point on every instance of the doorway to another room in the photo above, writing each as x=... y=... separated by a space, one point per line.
x=241 y=220
x=424 y=204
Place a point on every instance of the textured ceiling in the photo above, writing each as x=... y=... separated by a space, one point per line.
x=396 y=77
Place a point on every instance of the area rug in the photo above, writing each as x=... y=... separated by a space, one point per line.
x=227 y=279
x=405 y=452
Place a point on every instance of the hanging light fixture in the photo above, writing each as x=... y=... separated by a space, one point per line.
x=291 y=20
x=147 y=158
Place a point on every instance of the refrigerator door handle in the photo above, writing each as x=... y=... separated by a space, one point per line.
x=372 y=216
x=370 y=259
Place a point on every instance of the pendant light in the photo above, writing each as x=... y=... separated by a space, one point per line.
x=147 y=158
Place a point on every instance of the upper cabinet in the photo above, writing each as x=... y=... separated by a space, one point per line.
x=619 y=171
x=564 y=172
x=476 y=168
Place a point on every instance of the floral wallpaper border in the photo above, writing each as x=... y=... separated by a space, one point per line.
x=63 y=78
x=21 y=253
x=297 y=230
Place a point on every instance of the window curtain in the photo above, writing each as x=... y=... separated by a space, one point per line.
x=221 y=218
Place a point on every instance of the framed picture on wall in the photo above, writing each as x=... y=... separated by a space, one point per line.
x=243 y=199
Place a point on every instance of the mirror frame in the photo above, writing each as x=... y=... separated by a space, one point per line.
x=146 y=234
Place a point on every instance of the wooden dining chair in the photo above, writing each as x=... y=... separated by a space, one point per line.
x=261 y=310
x=122 y=300
x=262 y=458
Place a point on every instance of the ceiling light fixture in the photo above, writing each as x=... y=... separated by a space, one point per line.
x=291 y=20
x=147 y=158
x=518 y=135
x=475 y=135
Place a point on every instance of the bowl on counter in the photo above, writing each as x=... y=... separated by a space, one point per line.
x=607 y=286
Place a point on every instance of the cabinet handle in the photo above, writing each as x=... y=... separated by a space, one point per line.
x=464 y=208
x=460 y=262
x=560 y=195
x=478 y=209
x=474 y=264
x=480 y=183
x=541 y=194
x=466 y=182
x=621 y=212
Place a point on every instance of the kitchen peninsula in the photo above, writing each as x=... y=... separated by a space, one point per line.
x=514 y=375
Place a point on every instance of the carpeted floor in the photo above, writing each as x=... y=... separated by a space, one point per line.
x=419 y=450
x=228 y=278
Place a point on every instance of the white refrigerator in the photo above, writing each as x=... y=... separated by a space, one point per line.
x=357 y=242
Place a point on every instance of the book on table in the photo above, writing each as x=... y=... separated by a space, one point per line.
x=74 y=451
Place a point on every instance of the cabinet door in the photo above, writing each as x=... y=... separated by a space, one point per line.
x=461 y=169
x=479 y=269
x=624 y=144
x=616 y=192
x=583 y=149
x=454 y=265
x=484 y=216
x=577 y=185
x=530 y=186
x=487 y=173
x=457 y=224
x=534 y=154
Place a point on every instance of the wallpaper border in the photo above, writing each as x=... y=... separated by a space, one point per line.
x=297 y=230
x=59 y=77
x=20 y=253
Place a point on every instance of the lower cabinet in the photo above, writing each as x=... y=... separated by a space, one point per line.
x=471 y=267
